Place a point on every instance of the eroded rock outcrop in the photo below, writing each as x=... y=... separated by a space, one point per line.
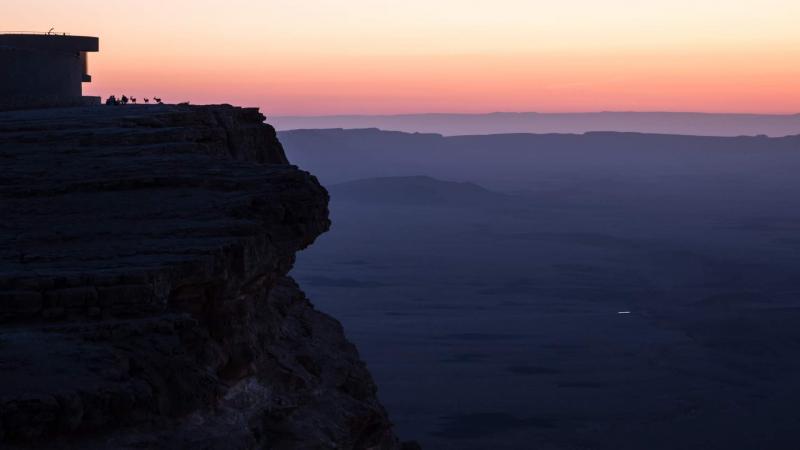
x=144 y=295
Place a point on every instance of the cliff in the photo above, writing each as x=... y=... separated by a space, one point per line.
x=144 y=296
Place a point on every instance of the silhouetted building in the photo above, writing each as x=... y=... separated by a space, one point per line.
x=44 y=70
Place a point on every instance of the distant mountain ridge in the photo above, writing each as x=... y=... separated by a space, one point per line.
x=499 y=161
x=698 y=124
x=414 y=190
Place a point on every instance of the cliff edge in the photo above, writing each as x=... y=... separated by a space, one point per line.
x=144 y=296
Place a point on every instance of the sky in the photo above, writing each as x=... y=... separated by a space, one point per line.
x=316 y=57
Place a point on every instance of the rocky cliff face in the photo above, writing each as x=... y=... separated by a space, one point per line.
x=144 y=296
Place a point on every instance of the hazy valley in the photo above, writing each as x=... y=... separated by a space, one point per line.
x=609 y=291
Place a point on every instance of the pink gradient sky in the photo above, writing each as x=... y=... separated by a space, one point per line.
x=392 y=56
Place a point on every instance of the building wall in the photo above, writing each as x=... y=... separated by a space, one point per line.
x=39 y=71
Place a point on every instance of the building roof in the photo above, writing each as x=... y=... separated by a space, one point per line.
x=50 y=42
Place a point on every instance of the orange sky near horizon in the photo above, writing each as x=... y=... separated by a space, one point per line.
x=472 y=56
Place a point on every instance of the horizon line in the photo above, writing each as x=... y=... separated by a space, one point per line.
x=703 y=113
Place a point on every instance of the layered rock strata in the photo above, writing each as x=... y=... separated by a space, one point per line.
x=144 y=296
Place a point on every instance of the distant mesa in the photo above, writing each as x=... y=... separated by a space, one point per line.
x=414 y=190
x=337 y=156
x=44 y=70
x=685 y=123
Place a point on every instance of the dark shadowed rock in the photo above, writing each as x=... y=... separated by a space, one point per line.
x=143 y=294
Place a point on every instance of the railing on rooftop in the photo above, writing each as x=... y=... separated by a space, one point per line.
x=42 y=33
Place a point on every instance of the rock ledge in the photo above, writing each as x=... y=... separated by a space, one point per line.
x=144 y=296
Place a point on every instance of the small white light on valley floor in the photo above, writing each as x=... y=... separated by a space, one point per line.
x=623 y=312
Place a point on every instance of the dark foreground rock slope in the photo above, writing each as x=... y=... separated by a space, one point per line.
x=144 y=294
